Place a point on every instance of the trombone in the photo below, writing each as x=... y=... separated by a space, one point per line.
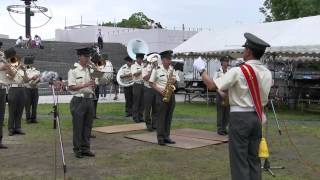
x=15 y=64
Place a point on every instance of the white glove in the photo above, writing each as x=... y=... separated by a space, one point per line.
x=264 y=118
x=199 y=64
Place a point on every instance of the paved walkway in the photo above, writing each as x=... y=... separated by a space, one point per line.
x=107 y=99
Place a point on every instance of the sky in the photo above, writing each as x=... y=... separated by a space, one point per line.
x=171 y=13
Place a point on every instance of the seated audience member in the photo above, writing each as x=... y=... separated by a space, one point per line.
x=28 y=42
x=19 y=42
x=37 y=40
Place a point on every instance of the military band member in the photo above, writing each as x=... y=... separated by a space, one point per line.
x=245 y=126
x=102 y=84
x=4 y=70
x=223 y=107
x=158 y=81
x=31 y=90
x=16 y=93
x=81 y=106
x=137 y=89
x=128 y=93
x=149 y=93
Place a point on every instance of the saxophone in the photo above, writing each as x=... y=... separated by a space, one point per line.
x=170 y=87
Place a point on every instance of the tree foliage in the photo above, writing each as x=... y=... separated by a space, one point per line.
x=136 y=20
x=277 y=10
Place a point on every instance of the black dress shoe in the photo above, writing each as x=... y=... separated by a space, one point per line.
x=29 y=121
x=150 y=129
x=19 y=132
x=128 y=115
x=11 y=133
x=169 y=141
x=89 y=153
x=92 y=136
x=3 y=146
x=221 y=133
x=34 y=121
x=78 y=155
x=161 y=142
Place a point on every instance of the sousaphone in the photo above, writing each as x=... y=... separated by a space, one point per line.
x=134 y=46
x=137 y=46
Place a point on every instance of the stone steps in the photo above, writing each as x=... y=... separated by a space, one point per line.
x=60 y=56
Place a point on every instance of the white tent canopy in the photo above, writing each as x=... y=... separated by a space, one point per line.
x=291 y=37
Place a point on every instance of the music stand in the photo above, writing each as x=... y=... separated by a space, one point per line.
x=266 y=165
x=56 y=126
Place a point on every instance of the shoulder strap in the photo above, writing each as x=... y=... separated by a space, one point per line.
x=252 y=82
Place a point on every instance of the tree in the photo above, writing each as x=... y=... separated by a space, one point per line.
x=136 y=20
x=277 y=10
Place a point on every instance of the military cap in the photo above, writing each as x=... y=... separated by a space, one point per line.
x=104 y=56
x=128 y=58
x=140 y=55
x=28 y=59
x=84 y=51
x=10 y=53
x=166 y=54
x=151 y=53
x=253 y=42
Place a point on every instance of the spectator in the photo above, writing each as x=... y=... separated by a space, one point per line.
x=19 y=42
x=100 y=39
x=59 y=85
x=37 y=40
x=28 y=42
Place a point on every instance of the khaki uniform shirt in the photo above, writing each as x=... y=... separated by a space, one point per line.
x=220 y=73
x=125 y=70
x=107 y=76
x=160 y=76
x=79 y=75
x=135 y=68
x=145 y=71
x=3 y=77
x=31 y=72
x=18 y=78
x=236 y=84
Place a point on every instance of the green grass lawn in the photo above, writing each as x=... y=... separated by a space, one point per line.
x=185 y=110
x=31 y=156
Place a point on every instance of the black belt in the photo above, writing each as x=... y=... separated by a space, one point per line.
x=87 y=96
x=15 y=85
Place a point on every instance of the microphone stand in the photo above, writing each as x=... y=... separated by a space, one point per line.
x=267 y=166
x=56 y=124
